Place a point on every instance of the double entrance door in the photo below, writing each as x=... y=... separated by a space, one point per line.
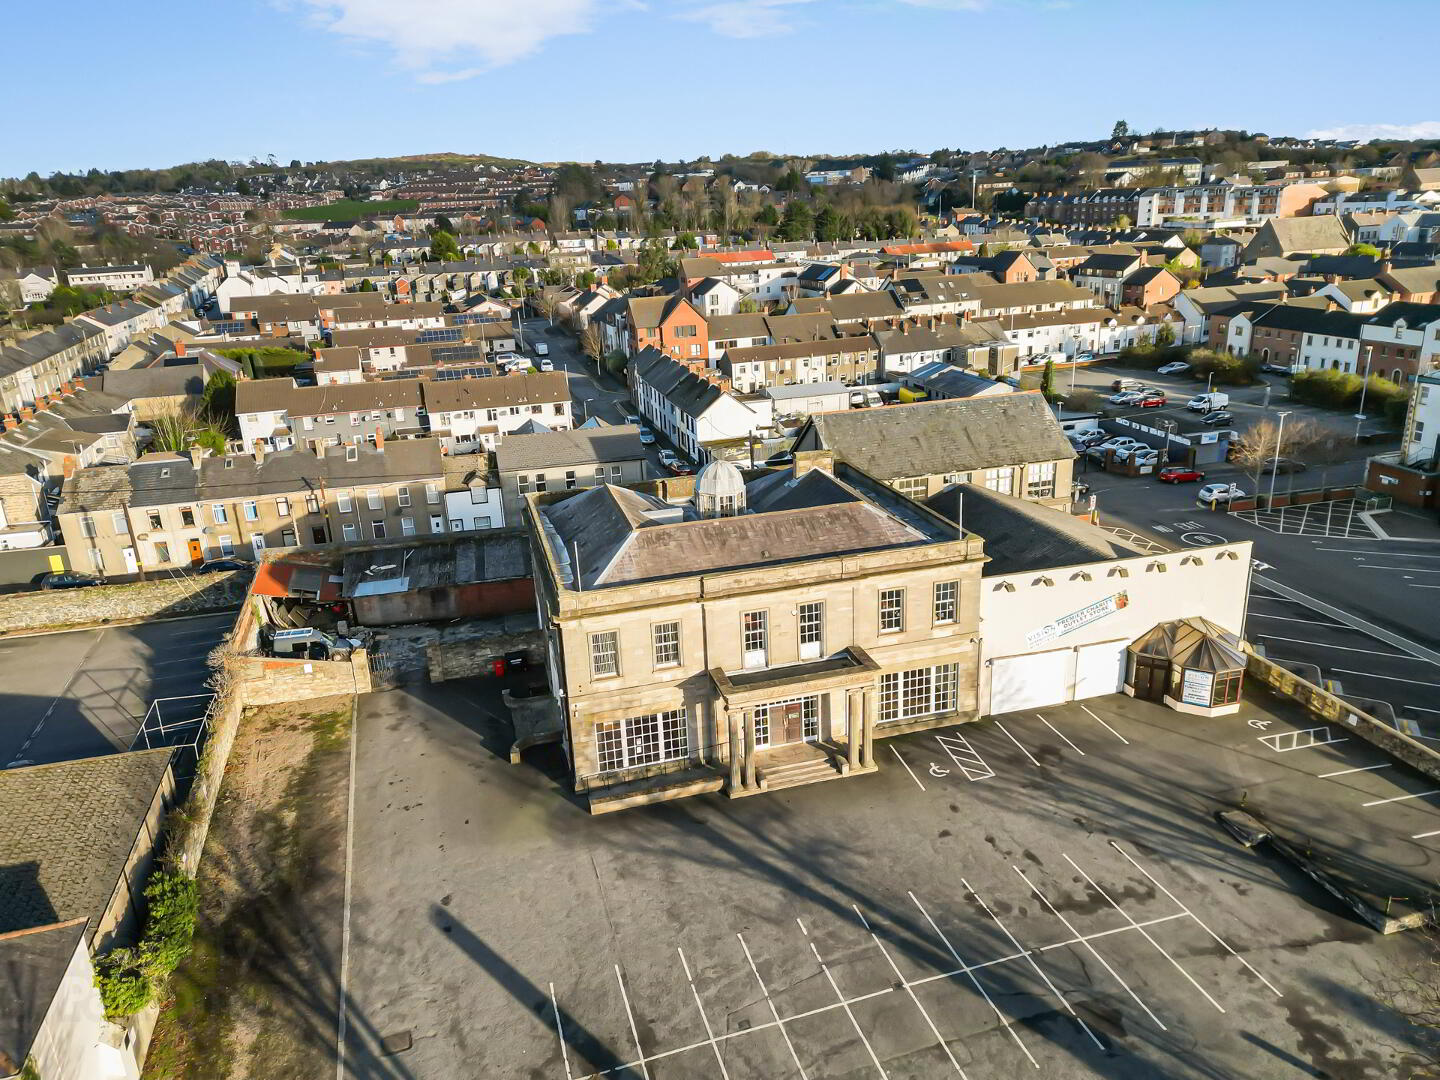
x=780 y=722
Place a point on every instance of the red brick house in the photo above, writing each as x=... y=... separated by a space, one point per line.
x=670 y=324
x=1150 y=285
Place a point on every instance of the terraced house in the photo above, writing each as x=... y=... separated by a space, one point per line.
x=176 y=510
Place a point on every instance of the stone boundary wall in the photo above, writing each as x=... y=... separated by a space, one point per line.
x=100 y=604
x=1327 y=706
x=269 y=680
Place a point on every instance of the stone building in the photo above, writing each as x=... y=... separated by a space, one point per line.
x=749 y=632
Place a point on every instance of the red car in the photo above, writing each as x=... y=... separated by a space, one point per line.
x=1178 y=474
x=1152 y=401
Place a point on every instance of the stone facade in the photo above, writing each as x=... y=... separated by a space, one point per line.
x=34 y=611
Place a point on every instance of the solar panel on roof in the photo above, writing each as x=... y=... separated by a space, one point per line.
x=474 y=318
x=451 y=354
x=444 y=333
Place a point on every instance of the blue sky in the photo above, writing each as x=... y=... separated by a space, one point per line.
x=633 y=80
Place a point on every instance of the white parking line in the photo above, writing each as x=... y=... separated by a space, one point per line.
x=1287 y=618
x=1107 y=727
x=1406 y=569
x=1387 y=678
x=840 y=997
x=1423 y=835
x=1004 y=1020
x=1037 y=968
x=1343 y=772
x=1400 y=798
x=1342 y=648
x=1377 y=632
x=1219 y=940
x=1390 y=554
x=909 y=989
x=559 y=1030
x=1017 y=743
x=1144 y=933
x=1068 y=743
x=908 y=769
x=773 y=1011
x=634 y=1033
x=1091 y=948
x=709 y=1032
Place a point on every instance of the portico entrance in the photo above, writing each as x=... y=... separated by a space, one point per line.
x=792 y=721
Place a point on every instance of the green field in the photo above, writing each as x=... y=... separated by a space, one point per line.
x=347 y=209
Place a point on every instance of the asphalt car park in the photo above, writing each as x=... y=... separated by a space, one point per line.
x=1043 y=893
x=84 y=693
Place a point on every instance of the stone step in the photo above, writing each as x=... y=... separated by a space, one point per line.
x=793 y=774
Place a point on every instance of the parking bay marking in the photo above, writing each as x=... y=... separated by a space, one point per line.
x=1295 y=739
x=966 y=758
x=1016 y=741
x=1057 y=731
x=1400 y=798
x=1106 y=726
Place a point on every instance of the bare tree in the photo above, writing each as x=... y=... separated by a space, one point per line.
x=1303 y=439
x=590 y=343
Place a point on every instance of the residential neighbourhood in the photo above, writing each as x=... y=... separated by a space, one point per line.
x=947 y=612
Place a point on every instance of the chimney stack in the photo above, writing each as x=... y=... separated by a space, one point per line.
x=379 y=438
x=179 y=348
x=27 y=413
x=197 y=455
x=259 y=451
x=68 y=466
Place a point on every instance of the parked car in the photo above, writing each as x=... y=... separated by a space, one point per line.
x=1277 y=369
x=631 y=418
x=1179 y=474
x=675 y=463
x=1152 y=401
x=647 y=437
x=1216 y=419
x=1208 y=402
x=1083 y=357
x=312 y=643
x=1283 y=465
x=541 y=349
x=546 y=364
x=1136 y=450
x=1090 y=438
x=68 y=579
x=223 y=566
x=1126 y=397
x=1178 y=367
x=1219 y=493
x=1126 y=384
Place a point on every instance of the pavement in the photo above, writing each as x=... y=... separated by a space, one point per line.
x=1039 y=894
x=85 y=693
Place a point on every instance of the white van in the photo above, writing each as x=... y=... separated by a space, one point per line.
x=541 y=349
x=1208 y=402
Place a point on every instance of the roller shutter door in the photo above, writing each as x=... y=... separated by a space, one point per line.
x=1030 y=682
x=1099 y=669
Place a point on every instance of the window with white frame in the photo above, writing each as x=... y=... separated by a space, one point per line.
x=252 y=511
x=892 y=610
x=811 y=618
x=946 y=595
x=665 y=638
x=407 y=526
x=755 y=638
x=457 y=524
x=343 y=503
x=377 y=530
x=604 y=654
x=118 y=522
x=1040 y=480
x=218 y=514
x=402 y=495
x=348 y=530
x=432 y=493
x=924 y=691
x=227 y=545
x=913 y=487
x=642 y=740
x=1001 y=480
x=282 y=506
x=374 y=500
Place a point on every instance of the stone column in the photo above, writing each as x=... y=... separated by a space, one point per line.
x=867 y=744
x=854 y=727
x=749 y=721
x=736 y=752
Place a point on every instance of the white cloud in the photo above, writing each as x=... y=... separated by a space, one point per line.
x=1424 y=129
x=441 y=40
x=448 y=40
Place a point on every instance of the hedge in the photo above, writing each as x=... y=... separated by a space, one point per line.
x=1332 y=389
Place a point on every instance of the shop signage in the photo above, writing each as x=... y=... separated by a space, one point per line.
x=1067 y=624
x=1197 y=687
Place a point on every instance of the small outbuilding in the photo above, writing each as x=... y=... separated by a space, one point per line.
x=1191 y=665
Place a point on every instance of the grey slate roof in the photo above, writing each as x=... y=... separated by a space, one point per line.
x=69 y=830
x=557 y=449
x=1021 y=535
x=32 y=966
x=934 y=438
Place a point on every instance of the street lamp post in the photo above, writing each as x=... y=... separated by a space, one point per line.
x=1365 y=385
x=1275 y=471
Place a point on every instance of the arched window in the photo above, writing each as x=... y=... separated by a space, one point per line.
x=1265 y=355
x=1397 y=375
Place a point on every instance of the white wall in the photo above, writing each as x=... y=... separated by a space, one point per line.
x=1215 y=589
x=460 y=506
